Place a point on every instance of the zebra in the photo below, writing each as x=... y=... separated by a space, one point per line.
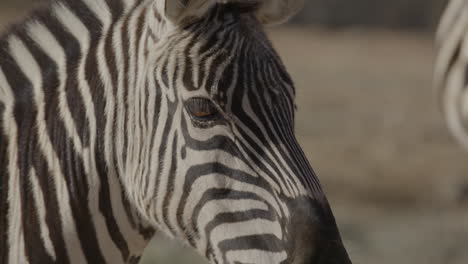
x=123 y=118
x=450 y=76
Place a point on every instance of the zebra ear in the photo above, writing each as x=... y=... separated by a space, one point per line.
x=180 y=11
x=278 y=11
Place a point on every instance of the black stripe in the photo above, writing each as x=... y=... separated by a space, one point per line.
x=71 y=163
x=71 y=47
x=188 y=56
x=27 y=138
x=126 y=81
x=4 y=181
x=156 y=118
x=227 y=43
x=25 y=114
x=269 y=243
x=171 y=107
x=197 y=171
x=98 y=96
x=130 y=57
x=235 y=217
x=170 y=184
x=34 y=245
x=43 y=173
x=256 y=97
x=219 y=194
x=51 y=202
x=282 y=127
x=116 y=7
x=105 y=205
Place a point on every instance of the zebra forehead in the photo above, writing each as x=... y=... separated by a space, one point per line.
x=241 y=55
x=226 y=54
x=254 y=68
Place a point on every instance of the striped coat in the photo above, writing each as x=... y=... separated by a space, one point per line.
x=122 y=117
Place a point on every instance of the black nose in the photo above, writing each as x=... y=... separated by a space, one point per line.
x=333 y=253
x=315 y=234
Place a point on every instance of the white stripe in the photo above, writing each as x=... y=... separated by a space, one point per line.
x=451 y=105
x=31 y=70
x=214 y=208
x=100 y=10
x=74 y=25
x=112 y=253
x=281 y=188
x=128 y=4
x=148 y=99
x=252 y=227
x=246 y=256
x=42 y=36
x=447 y=48
x=165 y=174
x=15 y=223
x=294 y=183
x=132 y=100
x=41 y=213
x=213 y=181
x=287 y=185
x=117 y=138
x=155 y=164
x=228 y=231
x=151 y=126
x=446 y=22
x=6 y=94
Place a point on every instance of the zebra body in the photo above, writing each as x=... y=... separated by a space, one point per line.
x=122 y=117
x=451 y=65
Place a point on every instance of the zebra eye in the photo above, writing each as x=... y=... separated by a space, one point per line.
x=202 y=109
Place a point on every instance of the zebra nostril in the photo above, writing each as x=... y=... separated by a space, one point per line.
x=314 y=234
x=303 y=230
x=334 y=253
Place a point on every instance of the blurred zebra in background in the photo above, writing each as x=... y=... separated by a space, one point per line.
x=122 y=117
x=451 y=74
x=451 y=68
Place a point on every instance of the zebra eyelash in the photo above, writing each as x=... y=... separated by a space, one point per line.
x=203 y=110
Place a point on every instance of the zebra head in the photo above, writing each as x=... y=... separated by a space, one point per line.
x=218 y=165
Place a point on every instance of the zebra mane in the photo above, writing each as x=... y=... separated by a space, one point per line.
x=243 y=7
x=267 y=11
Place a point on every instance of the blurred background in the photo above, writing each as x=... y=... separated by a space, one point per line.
x=370 y=125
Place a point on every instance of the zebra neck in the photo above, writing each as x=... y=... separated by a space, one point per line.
x=64 y=83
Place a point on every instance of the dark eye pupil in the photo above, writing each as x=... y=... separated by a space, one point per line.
x=202 y=109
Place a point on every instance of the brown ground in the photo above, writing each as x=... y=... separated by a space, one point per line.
x=369 y=123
